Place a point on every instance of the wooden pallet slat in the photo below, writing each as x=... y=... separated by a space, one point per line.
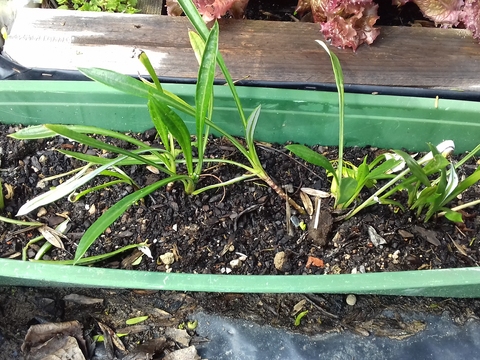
x=259 y=50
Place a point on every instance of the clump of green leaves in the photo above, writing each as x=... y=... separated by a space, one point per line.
x=431 y=182
x=177 y=152
x=348 y=180
x=120 y=6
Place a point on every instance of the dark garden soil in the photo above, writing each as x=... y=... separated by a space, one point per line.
x=207 y=232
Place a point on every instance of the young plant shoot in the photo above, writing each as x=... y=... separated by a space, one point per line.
x=348 y=180
x=423 y=193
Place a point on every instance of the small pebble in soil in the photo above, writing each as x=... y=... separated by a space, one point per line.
x=235 y=263
x=167 y=258
x=351 y=300
x=280 y=261
x=41 y=212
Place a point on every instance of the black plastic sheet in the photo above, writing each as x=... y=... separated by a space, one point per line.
x=237 y=339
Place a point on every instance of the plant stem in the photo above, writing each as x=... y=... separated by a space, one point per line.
x=269 y=181
x=385 y=187
x=20 y=222
x=461 y=207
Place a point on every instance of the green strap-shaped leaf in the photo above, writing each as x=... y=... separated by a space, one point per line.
x=204 y=89
x=338 y=74
x=91 y=259
x=156 y=116
x=101 y=160
x=361 y=174
x=426 y=197
x=114 y=212
x=198 y=45
x=87 y=140
x=196 y=19
x=134 y=87
x=251 y=125
x=464 y=185
x=347 y=190
x=176 y=126
x=151 y=71
x=41 y=132
x=414 y=167
x=312 y=157
x=381 y=170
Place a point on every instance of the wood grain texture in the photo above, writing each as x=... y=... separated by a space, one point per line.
x=151 y=7
x=258 y=50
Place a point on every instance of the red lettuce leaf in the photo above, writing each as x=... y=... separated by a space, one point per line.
x=447 y=13
x=211 y=9
x=470 y=17
x=345 y=23
x=442 y=12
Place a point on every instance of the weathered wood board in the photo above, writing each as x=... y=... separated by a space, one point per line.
x=257 y=50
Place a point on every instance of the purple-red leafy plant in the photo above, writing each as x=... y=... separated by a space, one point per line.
x=470 y=17
x=345 y=23
x=350 y=23
x=211 y=9
x=448 y=13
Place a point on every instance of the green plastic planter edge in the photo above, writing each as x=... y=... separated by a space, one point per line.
x=287 y=115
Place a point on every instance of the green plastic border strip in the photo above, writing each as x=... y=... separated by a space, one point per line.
x=442 y=283
x=304 y=116
x=298 y=115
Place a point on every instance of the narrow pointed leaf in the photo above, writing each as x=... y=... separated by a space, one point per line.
x=91 y=259
x=196 y=19
x=392 y=202
x=64 y=189
x=347 y=190
x=414 y=167
x=435 y=165
x=159 y=158
x=198 y=45
x=204 y=89
x=87 y=140
x=176 y=126
x=312 y=157
x=426 y=197
x=41 y=132
x=362 y=173
x=156 y=116
x=381 y=170
x=452 y=183
x=148 y=65
x=114 y=212
x=251 y=125
x=134 y=87
x=464 y=185
x=136 y=320
x=338 y=74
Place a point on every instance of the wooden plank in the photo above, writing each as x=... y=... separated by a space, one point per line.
x=259 y=50
x=151 y=7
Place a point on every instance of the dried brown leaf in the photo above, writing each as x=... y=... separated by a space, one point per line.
x=52 y=236
x=307 y=203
